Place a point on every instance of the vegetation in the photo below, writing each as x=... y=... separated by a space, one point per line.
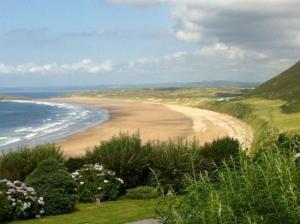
x=17 y=201
x=262 y=189
x=262 y=115
x=171 y=161
x=216 y=152
x=16 y=165
x=94 y=181
x=217 y=182
x=126 y=156
x=284 y=86
x=117 y=212
x=51 y=181
x=186 y=96
x=168 y=162
x=143 y=192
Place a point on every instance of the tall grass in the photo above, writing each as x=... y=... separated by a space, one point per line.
x=263 y=189
x=16 y=165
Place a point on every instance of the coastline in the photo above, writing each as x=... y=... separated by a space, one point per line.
x=153 y=121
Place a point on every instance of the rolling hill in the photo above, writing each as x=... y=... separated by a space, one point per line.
x=284 y=86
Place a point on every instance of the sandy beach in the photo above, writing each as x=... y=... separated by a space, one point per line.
x=153 y=121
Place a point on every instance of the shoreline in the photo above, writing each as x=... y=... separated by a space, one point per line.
x=153 y=121
x=61 y=120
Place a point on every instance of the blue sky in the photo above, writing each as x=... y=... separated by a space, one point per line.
x=93 y=42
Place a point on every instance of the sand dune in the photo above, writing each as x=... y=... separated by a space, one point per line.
x=153 y=121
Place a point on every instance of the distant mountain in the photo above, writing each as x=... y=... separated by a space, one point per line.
x=69 y=89
x=283 y=86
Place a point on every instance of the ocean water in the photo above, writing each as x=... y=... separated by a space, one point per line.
x=33 y=122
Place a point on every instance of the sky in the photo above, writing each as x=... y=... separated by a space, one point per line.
x=113 y=42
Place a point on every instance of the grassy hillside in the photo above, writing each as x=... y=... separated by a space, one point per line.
x=284 y=86
x=261 y=114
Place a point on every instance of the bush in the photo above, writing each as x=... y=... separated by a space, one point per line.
x=220 y=150
x=288 y=143
x=256 y=191
x=96 y=182
x=126 y=156
x=74 y=163
x=17 y=201
x=19 y=164
x=51 y=181
x=172 y=161
x=144 y=192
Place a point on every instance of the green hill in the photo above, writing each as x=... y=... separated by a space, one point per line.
x=283 y=86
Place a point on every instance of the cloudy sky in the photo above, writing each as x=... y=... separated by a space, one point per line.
x=94 y=42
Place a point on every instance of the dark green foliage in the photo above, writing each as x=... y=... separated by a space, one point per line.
x=172 y=161
x=254 y=191
x=5 y=206
x=18 y=164
x=220 y=150
x=288 y=143
x=74 y=163
x=51 y=181
x=142 y=193
x=166 y=162
x=126 y=156
x=237 y=109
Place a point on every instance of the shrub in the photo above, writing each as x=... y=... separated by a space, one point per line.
x=125 y=155
x=260 y=191
x=171 y=161
x=17 y=201
x=51 y=181
x=94 y=181
x=288 y=143
x=144 y=192
x=19 y=164
x=74 y=163
x=220 y=150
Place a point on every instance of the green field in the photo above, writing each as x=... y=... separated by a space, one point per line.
x=186 y=96
x=115 y=212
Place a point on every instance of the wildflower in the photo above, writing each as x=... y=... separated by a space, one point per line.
x=120 y=180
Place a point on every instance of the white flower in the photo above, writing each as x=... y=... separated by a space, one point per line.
x=105 y=181
x=120 y=180
x=81 y=183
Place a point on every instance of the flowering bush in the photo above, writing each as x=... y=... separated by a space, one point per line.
x=17 y=201
x=96 y=182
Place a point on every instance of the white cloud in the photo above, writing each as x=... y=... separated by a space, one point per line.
x=5 y=69
x=84 y=66
x=230 y=52
x=188 y=36
x=268 y=25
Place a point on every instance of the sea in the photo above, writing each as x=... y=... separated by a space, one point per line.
x=34 y=120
